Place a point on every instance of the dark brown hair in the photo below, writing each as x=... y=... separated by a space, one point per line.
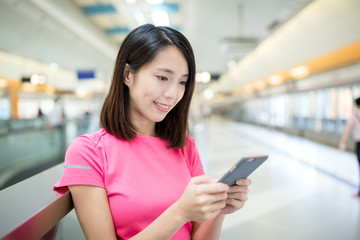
x=139 y=48
x=357 y=102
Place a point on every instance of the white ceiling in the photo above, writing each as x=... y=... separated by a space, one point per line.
x=322 y=27
x=59 y=31
x=210 y=22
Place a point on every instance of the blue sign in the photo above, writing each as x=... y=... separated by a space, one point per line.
x=86 y=74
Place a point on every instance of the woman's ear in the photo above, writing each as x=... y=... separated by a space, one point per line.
x=128 y=75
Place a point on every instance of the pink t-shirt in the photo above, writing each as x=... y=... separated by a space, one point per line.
x=142 y=176
x=355 y=122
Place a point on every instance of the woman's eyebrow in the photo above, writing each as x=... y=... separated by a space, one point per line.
x=171 y=71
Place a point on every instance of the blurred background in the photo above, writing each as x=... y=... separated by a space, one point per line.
x=268 y=72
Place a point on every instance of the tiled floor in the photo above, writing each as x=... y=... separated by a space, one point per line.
x=303 y=191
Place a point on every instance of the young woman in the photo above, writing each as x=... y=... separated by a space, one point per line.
x=353 y=123
x=140 y=176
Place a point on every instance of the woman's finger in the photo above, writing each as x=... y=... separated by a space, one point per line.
x=235 y=203
x=213 y=188
x=244 y=181
x=243 y=189
x=239 y=196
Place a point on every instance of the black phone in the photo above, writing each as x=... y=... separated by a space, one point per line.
x=243 y=168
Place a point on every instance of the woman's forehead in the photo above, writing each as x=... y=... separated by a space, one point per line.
x=171 y=60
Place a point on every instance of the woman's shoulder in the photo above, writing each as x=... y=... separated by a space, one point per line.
x=355 y=117
x=94 y=138
x=190 y=140
x=189 y=143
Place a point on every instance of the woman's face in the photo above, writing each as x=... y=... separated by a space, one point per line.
x=156 y=88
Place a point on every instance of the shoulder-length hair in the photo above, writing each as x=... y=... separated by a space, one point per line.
x=139 y=48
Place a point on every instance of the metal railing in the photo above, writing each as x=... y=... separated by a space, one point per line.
x=31 y=209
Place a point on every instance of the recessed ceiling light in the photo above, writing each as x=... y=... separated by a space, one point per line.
x=208 y=94
x=300 y=71
x=275 y=79
x=155 y=1
x=160 y=18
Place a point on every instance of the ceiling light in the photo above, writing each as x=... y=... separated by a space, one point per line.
x=53 y=67
x=137 y=13
x=37 y=79
x=299 y=72
x=275 y=79
x=160 y=18
x=155 y=1
x=208 y=94
x=204 y=77
x=260 y=85
x=3 y=83
x=140 y=18
x=231 y=64
x=81 y=92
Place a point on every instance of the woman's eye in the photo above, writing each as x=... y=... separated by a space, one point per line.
x=184 y=83
x=162 y=78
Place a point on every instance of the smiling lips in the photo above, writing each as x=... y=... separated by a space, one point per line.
x=162 y=107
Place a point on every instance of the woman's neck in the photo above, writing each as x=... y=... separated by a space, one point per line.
x=145 y=128
x=147 y=133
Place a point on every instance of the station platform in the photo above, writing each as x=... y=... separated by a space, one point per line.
x=304 y=190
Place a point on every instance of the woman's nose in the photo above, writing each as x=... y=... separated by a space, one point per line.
x=171 y=91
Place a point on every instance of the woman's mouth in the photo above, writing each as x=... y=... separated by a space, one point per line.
x=162 y=107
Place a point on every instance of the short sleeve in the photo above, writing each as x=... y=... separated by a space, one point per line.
x=83 y=164
x=352 y=120
x=193 y=158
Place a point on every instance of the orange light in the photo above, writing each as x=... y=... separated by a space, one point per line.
x=248 y=88
x=3 y=83
x=299 y=72
x=275 y=79
x=260 y=84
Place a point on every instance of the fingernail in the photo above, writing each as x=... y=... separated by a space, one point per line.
x=239 y=182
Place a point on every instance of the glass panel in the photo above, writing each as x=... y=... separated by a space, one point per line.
x=345 y=103
x=4 y=109
x=28 y=108
x=69 y=228
x=356 y=91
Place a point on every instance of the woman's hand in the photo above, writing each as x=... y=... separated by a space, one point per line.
x=202 y=199
x=237 y=196
x=342 y=146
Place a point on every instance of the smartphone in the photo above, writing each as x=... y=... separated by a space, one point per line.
x=243 y=168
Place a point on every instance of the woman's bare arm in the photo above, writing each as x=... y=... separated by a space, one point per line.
x=201 y=201
x=345 y=135
x=93 y=211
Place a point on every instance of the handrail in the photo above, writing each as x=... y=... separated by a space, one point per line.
x=31 y=208
x=14 y=126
